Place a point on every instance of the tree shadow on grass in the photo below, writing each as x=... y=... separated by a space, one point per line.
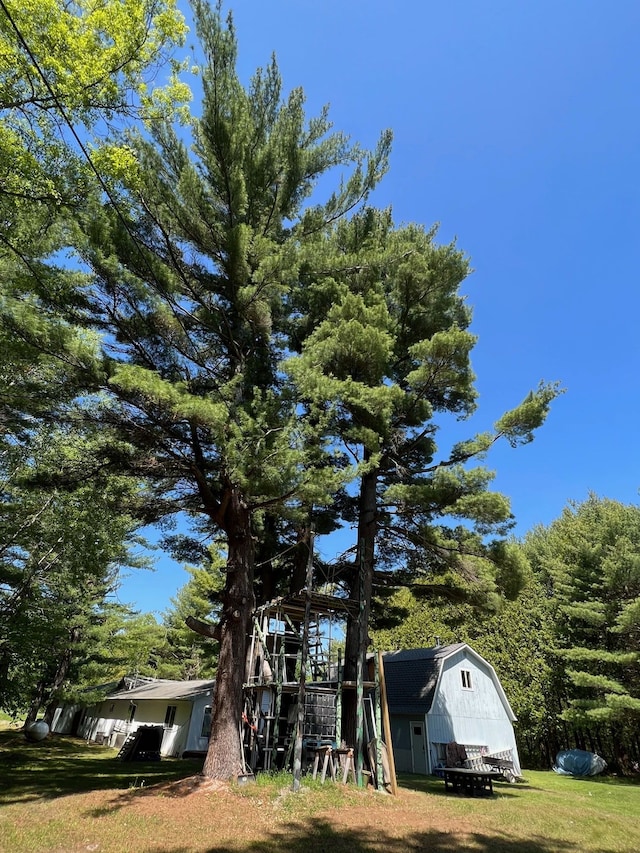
x=60 y=766
x=320 y=836
x=631 y=781
x=435 y=786
x=180 y=787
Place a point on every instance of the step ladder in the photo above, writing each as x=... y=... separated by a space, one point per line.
x=127 y=747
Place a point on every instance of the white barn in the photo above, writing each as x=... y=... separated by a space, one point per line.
x=183 y=708
x=446 y=694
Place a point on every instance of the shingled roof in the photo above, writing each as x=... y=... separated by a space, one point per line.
x=411 y=677
x=163 y=689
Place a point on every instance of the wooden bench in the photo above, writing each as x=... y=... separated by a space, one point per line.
x=468 y=781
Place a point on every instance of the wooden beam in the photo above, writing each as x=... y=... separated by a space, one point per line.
x=386 y=724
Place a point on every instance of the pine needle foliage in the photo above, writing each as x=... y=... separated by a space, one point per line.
x=589 y=561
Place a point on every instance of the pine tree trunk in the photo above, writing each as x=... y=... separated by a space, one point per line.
x=35 y=704
x=301 y=556
x=62 y=671
x=223 y=759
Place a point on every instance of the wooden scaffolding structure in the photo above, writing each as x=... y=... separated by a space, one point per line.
x=293 y=692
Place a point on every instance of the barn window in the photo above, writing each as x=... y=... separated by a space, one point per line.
x=170 y=716
x=441 y=753
x=466 y=679
x=206 y=722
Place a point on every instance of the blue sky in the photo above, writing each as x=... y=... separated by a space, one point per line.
x=516 y=127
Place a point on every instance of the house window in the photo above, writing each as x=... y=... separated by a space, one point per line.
x=170 y=716
x=466 y=679
x=441 y=753
x=132 y=711
x=206 y=722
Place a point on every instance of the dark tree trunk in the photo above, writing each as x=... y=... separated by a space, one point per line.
x=64 y=665
x=47 y=690
x=223 y=759
x=35 y=704
x=301 y=559
x=357 y=639
x=301 y=556
x=4 y=668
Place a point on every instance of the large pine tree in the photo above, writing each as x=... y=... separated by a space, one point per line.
x=189 y=265
x=382 y=329
x=205 y=268
x=589 y=560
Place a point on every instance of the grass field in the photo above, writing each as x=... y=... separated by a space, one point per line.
x=65 y=795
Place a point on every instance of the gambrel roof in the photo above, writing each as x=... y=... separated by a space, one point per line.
x=412 y=677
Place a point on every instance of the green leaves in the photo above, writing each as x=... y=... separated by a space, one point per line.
x=90 y=54
x=81 y=63
x=174 y=397
x=66 y=529
x=443 y=373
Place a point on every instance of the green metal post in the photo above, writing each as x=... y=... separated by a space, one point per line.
x=339 y=703
x=362 y=629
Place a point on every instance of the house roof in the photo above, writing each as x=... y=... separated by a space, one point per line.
x=162 y=689
x=411 y=677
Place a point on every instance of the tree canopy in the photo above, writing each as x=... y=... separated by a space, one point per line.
x=60 y=553
x=261 y=360
x=589 y=561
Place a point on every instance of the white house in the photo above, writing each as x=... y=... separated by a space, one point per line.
x=183 y=708
x=442 y=695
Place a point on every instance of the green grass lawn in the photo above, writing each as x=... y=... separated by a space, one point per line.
x=60 y=766
x=564 y=813
x=66 y=795
x=6 y=722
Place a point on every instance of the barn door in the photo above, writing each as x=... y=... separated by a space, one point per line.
x=418 y=747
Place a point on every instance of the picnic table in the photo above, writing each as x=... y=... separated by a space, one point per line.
x=470 y=781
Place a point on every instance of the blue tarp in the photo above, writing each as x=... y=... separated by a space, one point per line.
x=579 y=762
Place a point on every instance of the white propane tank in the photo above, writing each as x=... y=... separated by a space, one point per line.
x=36 y=731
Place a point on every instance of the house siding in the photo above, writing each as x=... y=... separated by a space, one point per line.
x=108 y=722
x=196 y=743
x=63 y=718
x=401 y=739
x=475 y=717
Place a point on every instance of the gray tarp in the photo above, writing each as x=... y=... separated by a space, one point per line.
x=579 y=762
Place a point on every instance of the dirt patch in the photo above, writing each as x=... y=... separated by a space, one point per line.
x=190 y=814
x=185 y=787
x=236 y=817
